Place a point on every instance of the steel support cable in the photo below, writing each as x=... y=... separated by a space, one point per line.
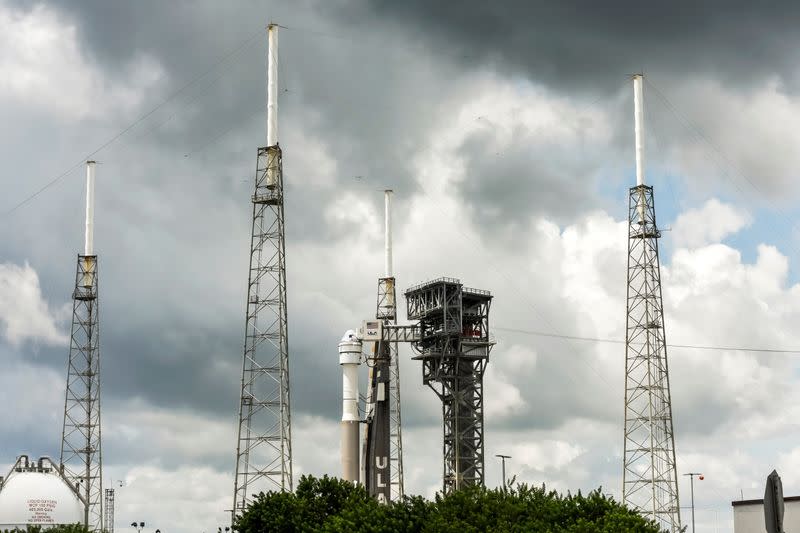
x=701 y=136
x=511 y=282
x=242 y=44
x=198 y=95
x=620 y=341
x=722 y=159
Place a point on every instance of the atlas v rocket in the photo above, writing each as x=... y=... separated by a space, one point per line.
x=368 y=462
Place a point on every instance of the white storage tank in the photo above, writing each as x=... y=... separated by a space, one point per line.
x=36 y=493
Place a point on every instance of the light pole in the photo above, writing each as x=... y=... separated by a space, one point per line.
x=503 y=459
x=138 y=526
x=691 y=477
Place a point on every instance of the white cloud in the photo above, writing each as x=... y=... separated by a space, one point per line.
x=555 y=405
x=24 y=315
x=574 y=279
x=546 y=454
x=44 y=66
x=748 y=138
x=180 y=499
x=505 y=399
x=711 y=223
x=38 y=406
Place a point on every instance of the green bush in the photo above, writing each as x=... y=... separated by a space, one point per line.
x=67 y=528
x=332 y=505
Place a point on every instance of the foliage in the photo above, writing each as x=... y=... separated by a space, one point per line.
x=64 y=528
x=332 y=505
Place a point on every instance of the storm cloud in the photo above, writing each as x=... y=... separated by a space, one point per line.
x=506 y=131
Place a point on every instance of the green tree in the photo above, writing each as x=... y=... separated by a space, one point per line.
x=332 y=505
x=64 y=528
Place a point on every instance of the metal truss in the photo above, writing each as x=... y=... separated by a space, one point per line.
x=387 y=313
x=108 y=526
x=650 y=482
x=81 y=451
x=264 y=448
x=377 y=331
x=453 y=344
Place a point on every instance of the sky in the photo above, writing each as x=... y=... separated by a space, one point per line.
x=506 y=131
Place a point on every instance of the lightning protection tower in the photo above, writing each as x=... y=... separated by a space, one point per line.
x=454 y=346
x=264 y=447
x=81 y=452
x=650 y=481
x=109 y=512
x=383 y=441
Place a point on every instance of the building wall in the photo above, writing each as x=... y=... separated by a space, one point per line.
x=749 y=517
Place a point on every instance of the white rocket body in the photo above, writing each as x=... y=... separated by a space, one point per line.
x=350 y=359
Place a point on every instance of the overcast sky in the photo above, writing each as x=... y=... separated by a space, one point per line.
x=506 y=130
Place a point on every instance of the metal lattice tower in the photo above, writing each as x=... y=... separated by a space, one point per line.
x=454 y=346
x=387 y=312
x=109 y=512
x=81 y=452
x=650 y=481
x=264 y=448
x=382 y=452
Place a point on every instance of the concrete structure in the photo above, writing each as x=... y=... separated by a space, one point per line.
x=748 y=515
x=37 y=493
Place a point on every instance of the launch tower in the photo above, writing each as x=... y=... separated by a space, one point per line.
x=650 y=481
x=81 y=453
x=383 y=443
x=264 y=448
x=454 y=345
x=452 y=340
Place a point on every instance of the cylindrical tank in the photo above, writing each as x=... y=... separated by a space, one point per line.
x=349 y=359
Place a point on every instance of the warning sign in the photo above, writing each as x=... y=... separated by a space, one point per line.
x=41 y=511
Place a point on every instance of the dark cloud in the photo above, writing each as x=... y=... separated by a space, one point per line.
x=366 y=91
x=506 y=184
x=585 y=46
